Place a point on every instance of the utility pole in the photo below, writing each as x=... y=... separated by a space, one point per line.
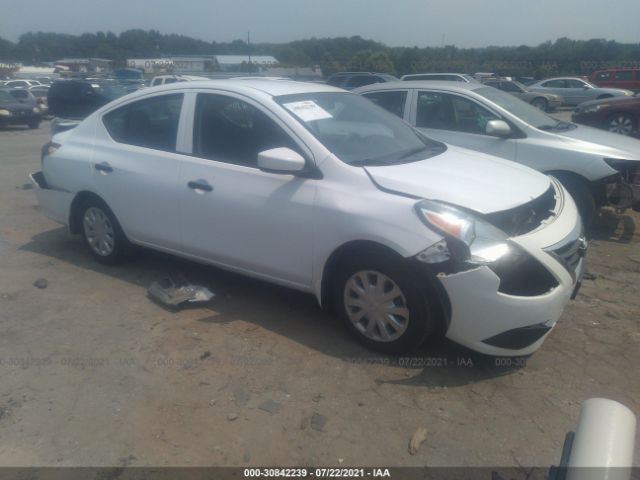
x=249 y=49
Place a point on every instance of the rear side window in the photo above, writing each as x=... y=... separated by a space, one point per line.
x=151 y=123
x=554 y=84
x=624 y=75
x=362 y=80
x=391 y=101
x=601 y=76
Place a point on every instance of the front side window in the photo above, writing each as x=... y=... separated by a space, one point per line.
x=356 y=131
x=451 y=112
x=393 y=101
x=510 y=87
x=230 y=130
x=151 y=122
x=573 y=83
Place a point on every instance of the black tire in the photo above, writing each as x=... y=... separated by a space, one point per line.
x=622 y=123
x=540 y=103
x=121 y=247
x=582 y=194
x=421 y=320
x=34 y=124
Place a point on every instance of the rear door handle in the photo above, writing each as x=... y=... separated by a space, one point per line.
x=103 y=167
x=199 y=185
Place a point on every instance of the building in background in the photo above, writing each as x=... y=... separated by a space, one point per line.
x=85 y=65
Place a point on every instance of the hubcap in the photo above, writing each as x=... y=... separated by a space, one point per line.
x=621 y=124
x=376 y=306
x=99 y=231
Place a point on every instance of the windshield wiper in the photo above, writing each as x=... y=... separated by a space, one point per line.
x=370 y=162
x=413 y=151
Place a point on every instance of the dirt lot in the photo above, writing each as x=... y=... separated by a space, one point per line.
x=93 y=373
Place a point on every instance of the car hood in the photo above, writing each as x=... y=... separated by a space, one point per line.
x=623 y=101
x=607 y=144
x=465 y=178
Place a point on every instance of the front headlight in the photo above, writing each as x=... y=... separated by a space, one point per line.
x=474 y=239
x=4 y=113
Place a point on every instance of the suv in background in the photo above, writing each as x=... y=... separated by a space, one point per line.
x=351 y=80
x=449 y=77
x=72 y=100
x=628 y=78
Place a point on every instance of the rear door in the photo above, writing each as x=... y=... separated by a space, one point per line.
x=231 y=212
x=136 y=167
x=459 y=120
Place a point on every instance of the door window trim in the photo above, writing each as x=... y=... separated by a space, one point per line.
x=407 y=100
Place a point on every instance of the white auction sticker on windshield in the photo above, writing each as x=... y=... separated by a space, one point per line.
x=307 y=110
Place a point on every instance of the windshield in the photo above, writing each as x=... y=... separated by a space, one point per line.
x=524 y=111
x=358 y=131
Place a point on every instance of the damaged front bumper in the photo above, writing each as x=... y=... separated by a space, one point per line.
x=622 y=190
x=509 y=310
x=55 y=204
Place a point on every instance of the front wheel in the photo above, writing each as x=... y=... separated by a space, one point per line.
x=621 y=123
x=383 y=304
x=34 y=124
x=102 y=233
x=540 y=103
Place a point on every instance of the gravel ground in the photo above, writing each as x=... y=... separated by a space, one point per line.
x=93 y=373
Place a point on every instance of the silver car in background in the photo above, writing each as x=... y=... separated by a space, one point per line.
x=541 y=100
x=597 y=167
x=448 y=77
x=576 y=90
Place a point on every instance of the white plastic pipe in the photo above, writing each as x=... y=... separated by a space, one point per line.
x=604 y=442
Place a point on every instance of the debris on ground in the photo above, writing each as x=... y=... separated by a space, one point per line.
x=317 y=397
x=41 y=283
x=206 y=354
x=416 y=440
x=240 y=397
x=318 y=422
x=270 y=406
x=232 y=416
x=173 y=294
x=589 y=276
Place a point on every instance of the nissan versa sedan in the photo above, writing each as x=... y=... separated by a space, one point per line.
x=596 y=167
x=320 y=190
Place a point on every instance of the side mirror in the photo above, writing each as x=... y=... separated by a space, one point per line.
x=498 y=128
x=281 y=160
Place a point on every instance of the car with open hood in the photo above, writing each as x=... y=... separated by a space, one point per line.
x=598 y=168
x=314 y=188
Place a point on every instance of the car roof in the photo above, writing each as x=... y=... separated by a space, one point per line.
x=273 y=88
x=429 y=84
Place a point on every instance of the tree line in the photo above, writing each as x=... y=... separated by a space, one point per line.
x=563 y=56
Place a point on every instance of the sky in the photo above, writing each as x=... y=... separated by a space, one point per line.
x=464 y=23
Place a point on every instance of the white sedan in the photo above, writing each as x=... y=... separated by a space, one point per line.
x=320 y=190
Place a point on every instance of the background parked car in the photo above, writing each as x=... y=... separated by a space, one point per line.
x=166 y=79
x=73 y=100
x=628 y=78
x=543 y=101
x=451 y=77
x=21 y=83
x=351 y=80
x=618 y=115
x=575 y=90
x=41 y=92
x=16 y=112
x=596 y=167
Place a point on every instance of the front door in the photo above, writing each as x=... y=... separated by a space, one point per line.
x=233 y=213
x=460 y=121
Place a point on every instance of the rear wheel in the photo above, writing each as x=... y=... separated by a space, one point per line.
x=102 y=233
x=383 y=303
x=621 y=123
x=34 y=124
x=540 y=103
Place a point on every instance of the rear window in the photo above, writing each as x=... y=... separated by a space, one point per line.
x=151 y=123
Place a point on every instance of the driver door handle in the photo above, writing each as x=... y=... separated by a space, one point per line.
x=103 y=167
x=199 y=185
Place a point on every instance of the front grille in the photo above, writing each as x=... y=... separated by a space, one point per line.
x=527 y=217
x=569 y=253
